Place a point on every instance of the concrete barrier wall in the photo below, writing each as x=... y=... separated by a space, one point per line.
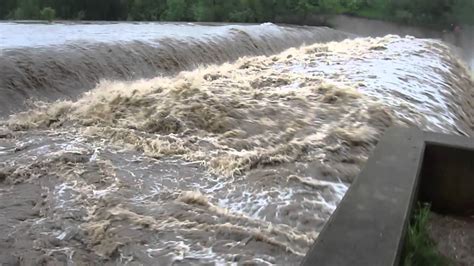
x=369 y=225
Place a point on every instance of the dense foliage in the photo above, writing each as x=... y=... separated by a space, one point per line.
x=48 y=14
x=429 y=12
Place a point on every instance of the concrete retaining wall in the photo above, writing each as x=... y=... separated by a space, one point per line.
x=369 y=225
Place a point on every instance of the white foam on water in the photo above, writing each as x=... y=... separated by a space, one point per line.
x=4 y=150
x=182 y=203
x=408 y=76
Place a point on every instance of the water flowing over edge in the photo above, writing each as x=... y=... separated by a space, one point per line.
x=64 y=71
x=241 y=162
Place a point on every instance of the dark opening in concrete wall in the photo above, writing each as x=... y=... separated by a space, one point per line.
x=447 y=179
x=408 y=165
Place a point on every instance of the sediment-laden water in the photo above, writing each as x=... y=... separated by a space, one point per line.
x=241 y=162
x=58 y=61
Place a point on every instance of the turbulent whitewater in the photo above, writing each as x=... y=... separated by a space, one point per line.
x=242 y=162
x=45 y=62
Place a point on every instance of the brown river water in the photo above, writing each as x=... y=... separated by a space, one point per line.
x=238 y=162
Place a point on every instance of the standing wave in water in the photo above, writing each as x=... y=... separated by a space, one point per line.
x=57 y=63
x=238 y=163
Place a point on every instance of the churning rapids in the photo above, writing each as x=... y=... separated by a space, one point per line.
x=241 y=162
x=60 y=61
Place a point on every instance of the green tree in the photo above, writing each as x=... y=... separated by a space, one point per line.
x=463 y=12
x=424 y=12
x=48 y=14
x=304 y=7
x=19 y=13
x=242 y=15
x=204 y=10
x=80 y=15
x=7 y=7
x=27 y=9
x=176 y=10
x=330 y=6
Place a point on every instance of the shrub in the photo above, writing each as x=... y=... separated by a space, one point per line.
x=48 y=14
x=420 y=249
x=81 y=15
x=19 y=14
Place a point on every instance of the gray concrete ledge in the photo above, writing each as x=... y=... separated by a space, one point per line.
x=369 y=225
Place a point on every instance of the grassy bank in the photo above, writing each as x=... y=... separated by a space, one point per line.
x=420 y=249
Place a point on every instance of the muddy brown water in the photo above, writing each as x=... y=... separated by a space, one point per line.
x=240 y=163
x=58 y=61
